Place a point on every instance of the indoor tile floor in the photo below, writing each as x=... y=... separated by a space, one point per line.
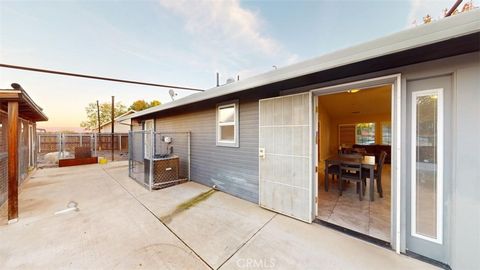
x=366 y=217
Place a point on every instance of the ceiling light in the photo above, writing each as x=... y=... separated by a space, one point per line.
x=353 y=90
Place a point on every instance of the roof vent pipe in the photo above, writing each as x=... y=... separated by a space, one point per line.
x=16 y=86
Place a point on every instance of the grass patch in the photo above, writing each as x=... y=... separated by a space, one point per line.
x=187 y=205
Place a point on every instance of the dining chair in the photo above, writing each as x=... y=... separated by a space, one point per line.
x=377 y=173
x=333 y=170
x=352 y=171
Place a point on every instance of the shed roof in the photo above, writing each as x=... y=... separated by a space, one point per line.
x=466 y=24
x=27 y=108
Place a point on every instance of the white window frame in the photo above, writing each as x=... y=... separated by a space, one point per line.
x=440 y=132
x=235 y=123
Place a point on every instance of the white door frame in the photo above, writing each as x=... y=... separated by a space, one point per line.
x=395 y=81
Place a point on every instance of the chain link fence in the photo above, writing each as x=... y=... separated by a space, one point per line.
x=25 y=158
x=3 y=158
x=159 y=159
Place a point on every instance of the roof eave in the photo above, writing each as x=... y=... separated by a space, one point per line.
x=423 y=35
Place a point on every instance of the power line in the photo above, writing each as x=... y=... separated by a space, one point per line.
x=99 y=78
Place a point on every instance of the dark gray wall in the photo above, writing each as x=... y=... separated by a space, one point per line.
x=234 y=170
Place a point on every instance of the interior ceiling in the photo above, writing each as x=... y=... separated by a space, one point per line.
x=370 y=101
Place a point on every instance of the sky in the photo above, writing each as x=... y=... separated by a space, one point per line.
x=177 y=42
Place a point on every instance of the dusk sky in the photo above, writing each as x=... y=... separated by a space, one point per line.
x=176 y=42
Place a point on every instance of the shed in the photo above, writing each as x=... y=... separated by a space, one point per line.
x=18 y=117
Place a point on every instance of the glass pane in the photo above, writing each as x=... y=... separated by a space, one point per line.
x=387 y=133
x=226 y=114
x=365 y=133
x=426 y=166
x=227 y=133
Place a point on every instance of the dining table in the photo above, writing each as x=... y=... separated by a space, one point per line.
x=367 y=162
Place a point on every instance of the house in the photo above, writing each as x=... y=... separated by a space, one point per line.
x=18 y=117
x=414 y=95
x=121 y=126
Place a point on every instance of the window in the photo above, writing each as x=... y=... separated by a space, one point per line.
x=365 y=133
x=227 y=124
x=387 y=133
x=427 y=165
x=346 y=135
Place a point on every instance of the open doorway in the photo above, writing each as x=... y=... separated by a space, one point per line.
x=356 y=122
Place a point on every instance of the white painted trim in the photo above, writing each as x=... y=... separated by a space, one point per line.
x=235 y=123
x=395 y=81
x=311 y=111
x=397 y=139
x=362 y=84
x=316 y=153
x=413 y=176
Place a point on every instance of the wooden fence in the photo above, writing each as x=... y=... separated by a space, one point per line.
x=60 y=142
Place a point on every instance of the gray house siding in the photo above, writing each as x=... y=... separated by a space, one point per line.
x=232 y=169
x=465 y=204
x=235 y=170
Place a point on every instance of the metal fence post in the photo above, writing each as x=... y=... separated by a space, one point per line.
x=81 y=141
x=120 y=142
x=152 y=148
x=59 y=145
x=95 y=144
x=188 y=149
x=129 y=155
x=63 y=145
x=39 y=144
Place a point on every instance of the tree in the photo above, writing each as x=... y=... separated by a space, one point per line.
x=105 y=114
x=469 y=6
x=141 y=105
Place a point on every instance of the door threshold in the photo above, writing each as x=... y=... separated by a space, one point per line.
x=427 y=260
x=364 y=237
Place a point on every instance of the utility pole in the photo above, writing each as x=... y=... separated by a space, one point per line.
x=113 y=127
x=98 y=145
x=98 y=118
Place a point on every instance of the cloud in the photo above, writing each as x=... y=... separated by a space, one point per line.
x=220 y=20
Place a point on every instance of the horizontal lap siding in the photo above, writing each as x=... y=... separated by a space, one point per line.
x=233 y=170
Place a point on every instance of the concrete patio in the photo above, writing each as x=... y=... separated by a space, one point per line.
x=120 y=225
